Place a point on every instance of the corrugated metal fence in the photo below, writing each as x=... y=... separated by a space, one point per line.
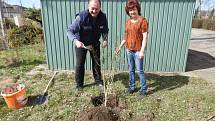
x=169 y=33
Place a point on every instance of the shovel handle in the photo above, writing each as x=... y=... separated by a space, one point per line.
x=50 y=81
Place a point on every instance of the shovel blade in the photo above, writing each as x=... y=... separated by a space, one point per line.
x=44 y=98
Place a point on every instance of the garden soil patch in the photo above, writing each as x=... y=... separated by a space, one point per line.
x=98 y=114
x=109 y=113
x=112 y=100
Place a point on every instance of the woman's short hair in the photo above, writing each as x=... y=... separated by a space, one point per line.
x=131 y=4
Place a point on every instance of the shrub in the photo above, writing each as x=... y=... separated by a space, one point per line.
x=9 y=24
x=24 y=35
x=197 y=23
x=33 y=14
x=208 y=24
x=204 y=23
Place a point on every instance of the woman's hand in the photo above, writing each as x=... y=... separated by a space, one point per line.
x=141 y=55
x=117 y=51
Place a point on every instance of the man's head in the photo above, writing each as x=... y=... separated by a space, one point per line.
x=94 y=7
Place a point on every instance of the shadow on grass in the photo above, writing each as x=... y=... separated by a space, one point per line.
x=23 y=63
x=1 y=67
x=36 y=100
x=90 y=84
x=2 y=102
x=155 y=82
x=32 y=100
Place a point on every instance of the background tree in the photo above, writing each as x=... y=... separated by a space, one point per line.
x=211 y=15
x=196 y=14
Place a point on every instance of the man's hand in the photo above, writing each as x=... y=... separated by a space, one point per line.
x=78 y=44
x=104 y=44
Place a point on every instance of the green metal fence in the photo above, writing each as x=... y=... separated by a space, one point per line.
x=169 y=33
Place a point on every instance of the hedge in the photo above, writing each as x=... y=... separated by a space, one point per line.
x=204 y=24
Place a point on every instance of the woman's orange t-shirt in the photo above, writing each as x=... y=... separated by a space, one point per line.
x=133 y=33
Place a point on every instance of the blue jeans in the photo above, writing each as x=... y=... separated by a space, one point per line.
x=133 y=59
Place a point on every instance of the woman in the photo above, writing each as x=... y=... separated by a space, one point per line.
x=135 y=38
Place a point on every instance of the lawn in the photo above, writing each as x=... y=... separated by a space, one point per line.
x=173 y=97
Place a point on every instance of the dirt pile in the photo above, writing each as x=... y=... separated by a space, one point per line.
x=109 y=113
x=112 y=100
x=98 y=114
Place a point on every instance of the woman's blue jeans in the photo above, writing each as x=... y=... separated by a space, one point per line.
x=133 y=59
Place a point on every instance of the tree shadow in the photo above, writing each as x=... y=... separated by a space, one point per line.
x=155 y=82
x=158 y=82
x=90 y=84
x=23 y=63
x=197 y=60
x=206 y=38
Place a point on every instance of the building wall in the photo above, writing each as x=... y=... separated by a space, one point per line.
x=11 y=11
x=169 y=33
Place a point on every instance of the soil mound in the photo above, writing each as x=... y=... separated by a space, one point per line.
x=98 y=114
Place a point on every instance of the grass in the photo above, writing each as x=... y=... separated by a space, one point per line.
x=173 y=98
x=29 y=57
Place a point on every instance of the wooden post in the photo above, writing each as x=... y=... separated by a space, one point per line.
x=5 y=45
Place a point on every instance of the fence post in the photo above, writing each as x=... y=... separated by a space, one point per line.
x=5 y=44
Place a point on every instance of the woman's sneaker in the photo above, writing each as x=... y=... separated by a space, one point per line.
x=130 y=91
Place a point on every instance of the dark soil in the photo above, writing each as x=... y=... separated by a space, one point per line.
x=98 y=114
x=97 y=100
x=112 y=100
x=109 y=113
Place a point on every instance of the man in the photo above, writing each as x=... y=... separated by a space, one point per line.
x=86 y=31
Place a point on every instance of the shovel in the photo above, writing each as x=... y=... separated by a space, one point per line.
x=90 y=48
x=87 y=47
x=44 y=98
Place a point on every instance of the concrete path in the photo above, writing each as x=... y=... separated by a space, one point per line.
x=201 y=56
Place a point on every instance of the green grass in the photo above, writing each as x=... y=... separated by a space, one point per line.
x=173 y=98
x=29 y=57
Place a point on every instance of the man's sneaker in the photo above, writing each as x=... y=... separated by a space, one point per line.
x=100 y=83
x=78 y=90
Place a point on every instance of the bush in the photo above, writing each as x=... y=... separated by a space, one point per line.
x=197 y=23
x=9 y=24
x=33 y=14
x=24 y=35
x=204 y=23
x=208 y=24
